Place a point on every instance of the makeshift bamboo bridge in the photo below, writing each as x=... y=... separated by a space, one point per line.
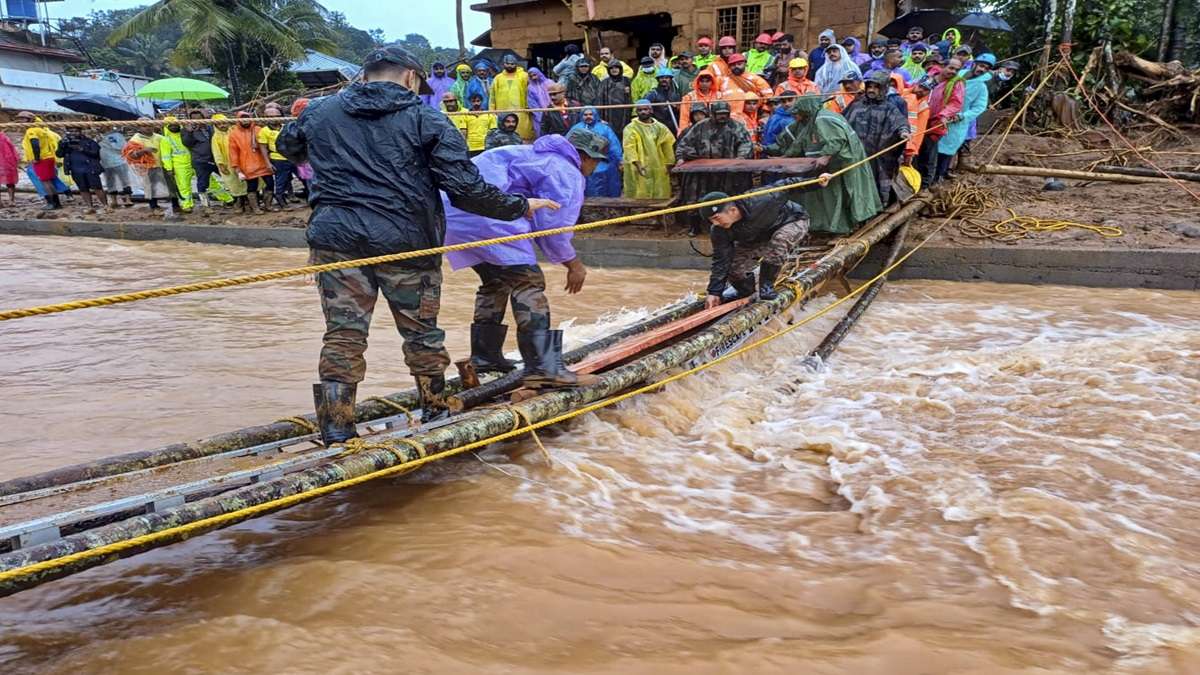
x=68 y=520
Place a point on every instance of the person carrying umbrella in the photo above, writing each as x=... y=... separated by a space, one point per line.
x=177 y=162
x=228 y=176
x=249 y=159
x=117 y=180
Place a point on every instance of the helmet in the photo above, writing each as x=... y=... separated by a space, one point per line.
x=987 y=58
x=727 y=41
x=798 y=63
x=764 y=38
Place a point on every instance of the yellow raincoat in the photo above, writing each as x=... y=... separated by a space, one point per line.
x=652 y=146
x=177 y=160
x=220 y=149
x=509 y=92
x=47 y=141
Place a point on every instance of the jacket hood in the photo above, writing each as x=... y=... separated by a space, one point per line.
x=557 y=145
x=376 y=99
x=856 y=48
x=716 y=84
x=828 y=32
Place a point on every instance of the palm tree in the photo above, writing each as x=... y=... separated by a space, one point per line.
x=228 y=30
x=145 y=55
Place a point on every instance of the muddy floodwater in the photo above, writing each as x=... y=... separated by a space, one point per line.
x=985 y=479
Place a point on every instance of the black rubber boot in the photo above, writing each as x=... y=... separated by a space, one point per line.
x=431 y=394
x=766 y=281
x=334 y=402
x=487 y=348
x=742 y=288
x=544 y=368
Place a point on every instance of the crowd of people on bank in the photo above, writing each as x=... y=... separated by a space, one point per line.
x=232 y=163
x=664 y=110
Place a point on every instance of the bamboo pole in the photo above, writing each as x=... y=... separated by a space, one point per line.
x=1152 y=173
x=365 y=411
x=821 y=354
x=479 y=426
x=1042 y=172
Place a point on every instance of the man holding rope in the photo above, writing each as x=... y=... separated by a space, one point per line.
x=380 y=157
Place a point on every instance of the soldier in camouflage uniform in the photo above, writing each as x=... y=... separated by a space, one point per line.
x=718 y=137
x=380 y=157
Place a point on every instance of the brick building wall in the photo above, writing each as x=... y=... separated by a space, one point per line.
x=517 y=25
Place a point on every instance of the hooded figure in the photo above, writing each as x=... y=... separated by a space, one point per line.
x=480 y=83
x=644 y=81
x=510 y=91
x=879 y=125
x=505 y=134
x=816 y=57
x=225 y=171
x=615 y=90
x=830 y=75
x=914 y=61
x=855 y=51
x=539 y=95
x=850 y=198
x=248 y=157
x=975 y=102
x=797 y=82
x=666 y=98
x=177 y=161
x=9 y=159
x=698 y=95
x=462 y=79
x=780 y=119
x=439 y=84
x=553 y=167
x=649 y=148
x=40 y=146
x=581 y=85
x=605 y=181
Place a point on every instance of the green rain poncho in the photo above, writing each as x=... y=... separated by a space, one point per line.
x=650 y=145
x=850 y=198
x=641 y=84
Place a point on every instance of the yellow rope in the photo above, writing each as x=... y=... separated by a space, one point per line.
x=519 y=419
x=213 y=284
x=413 y=420
x=212 y=522
x=300 y=422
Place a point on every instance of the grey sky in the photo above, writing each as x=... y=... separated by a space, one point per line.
x=432 y=18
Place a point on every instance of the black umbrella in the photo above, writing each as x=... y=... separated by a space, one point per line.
x=983 y=21
x=100 y=106
x=934 y=21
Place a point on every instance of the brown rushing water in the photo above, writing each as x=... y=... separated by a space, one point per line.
x=987 y=479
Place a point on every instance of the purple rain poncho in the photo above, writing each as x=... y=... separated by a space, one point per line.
x=549 y=168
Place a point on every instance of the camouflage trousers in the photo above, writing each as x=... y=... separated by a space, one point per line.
x=523 y=285
x=774 y=251
x=348 y=299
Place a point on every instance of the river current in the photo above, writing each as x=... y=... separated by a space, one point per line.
x=984 y=479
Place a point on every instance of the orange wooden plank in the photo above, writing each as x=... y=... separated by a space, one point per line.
x=639 y=343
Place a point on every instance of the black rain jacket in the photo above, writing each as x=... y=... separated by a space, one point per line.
x=379 y=157
x=761 y=216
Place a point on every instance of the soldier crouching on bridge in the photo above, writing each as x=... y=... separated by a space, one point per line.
x=379 y=157
x=769 y=227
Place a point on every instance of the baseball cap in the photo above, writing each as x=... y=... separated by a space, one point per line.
x=588 y=143
x=399 y=56
x=711 y=210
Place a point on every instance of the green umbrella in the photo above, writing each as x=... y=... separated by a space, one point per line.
x=182 y=89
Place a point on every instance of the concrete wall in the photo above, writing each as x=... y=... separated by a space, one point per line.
x=1177 y=269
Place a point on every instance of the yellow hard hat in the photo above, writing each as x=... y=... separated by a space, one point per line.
x=798 y=63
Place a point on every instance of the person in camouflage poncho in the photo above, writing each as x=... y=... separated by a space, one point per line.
x=879 y=124
x=719 y=137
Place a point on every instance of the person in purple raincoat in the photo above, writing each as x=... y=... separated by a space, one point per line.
x=440 y=83
x=555 y=168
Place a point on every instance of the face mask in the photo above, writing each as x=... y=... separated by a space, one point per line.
x=1004 y=77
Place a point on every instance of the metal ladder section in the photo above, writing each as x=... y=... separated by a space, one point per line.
x=49 y=528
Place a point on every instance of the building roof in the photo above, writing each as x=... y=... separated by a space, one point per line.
x=35 y=92
x=492 y=5
x=57 y=53
x=484 y=39
x=321 y=70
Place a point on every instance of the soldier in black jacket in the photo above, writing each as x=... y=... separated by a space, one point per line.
x=380 y=157
x=767 y=226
